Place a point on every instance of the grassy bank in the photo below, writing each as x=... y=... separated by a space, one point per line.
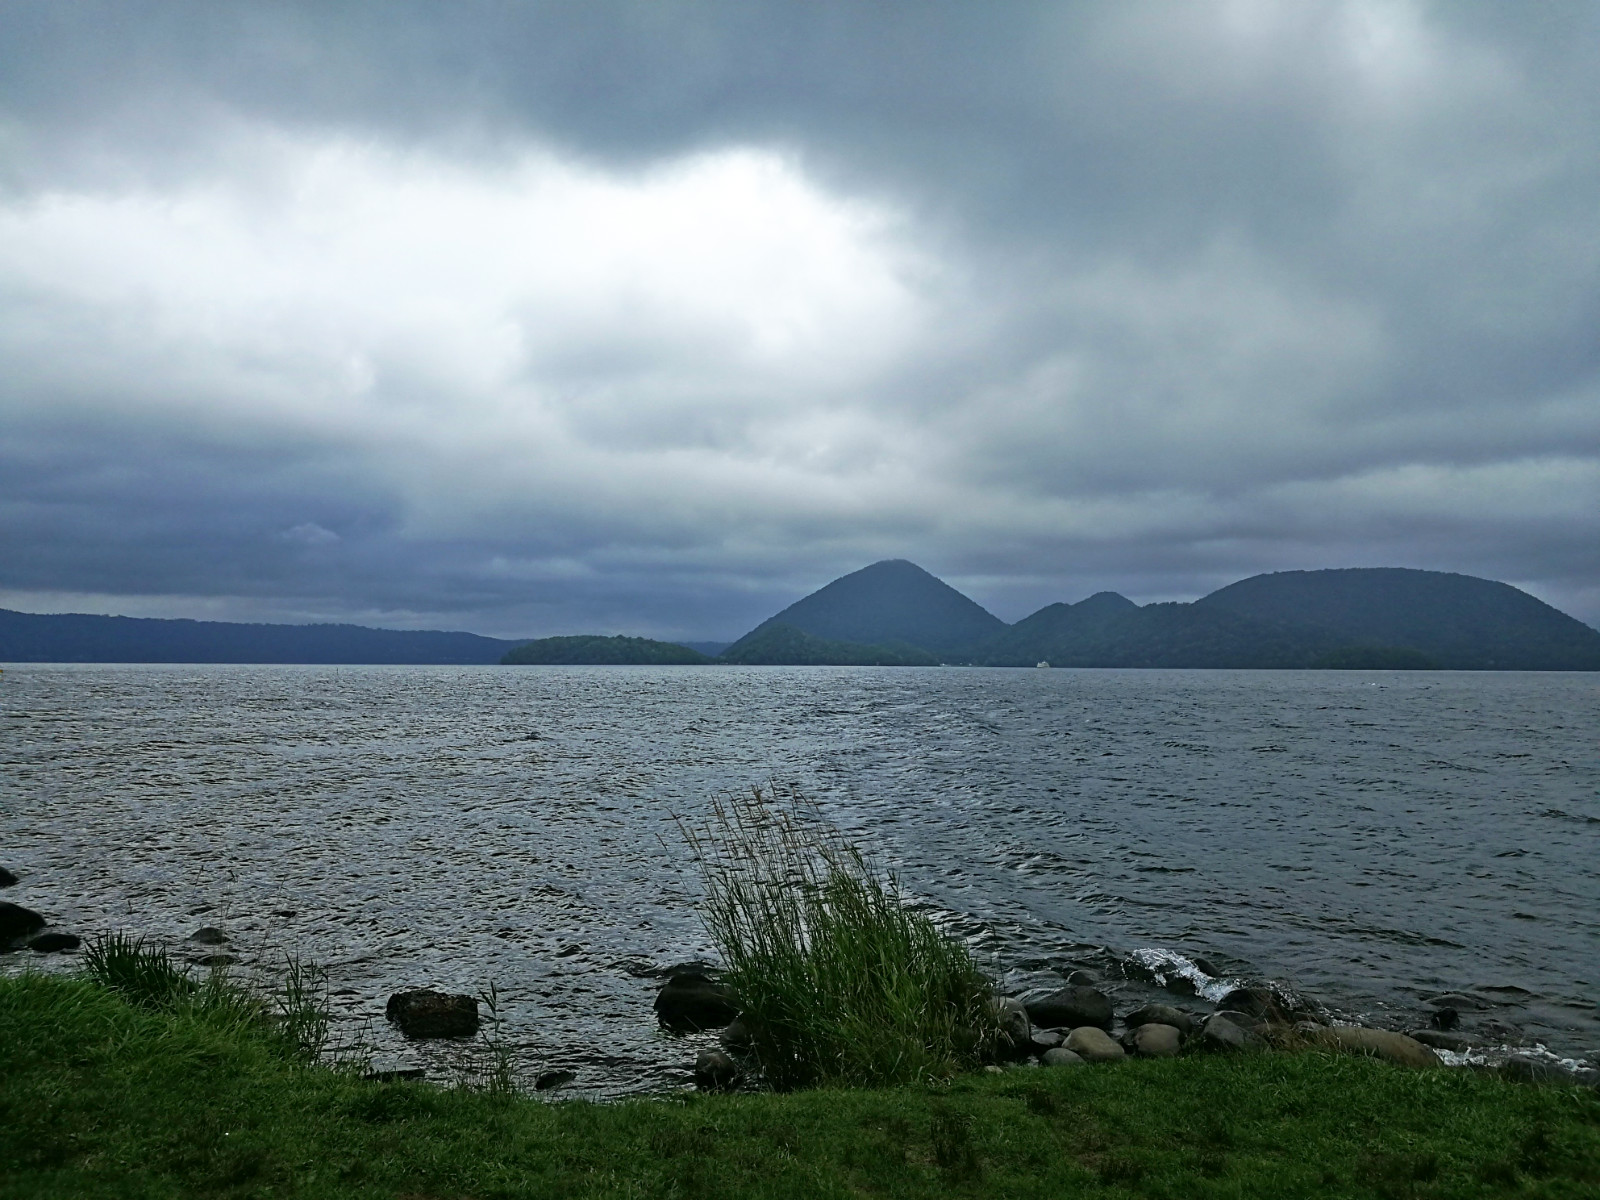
x=101 y=1097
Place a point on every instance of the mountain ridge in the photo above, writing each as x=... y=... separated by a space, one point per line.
x=895 y=613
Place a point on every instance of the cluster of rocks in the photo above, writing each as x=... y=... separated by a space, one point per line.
x=23 y=929
x=1077 y=1025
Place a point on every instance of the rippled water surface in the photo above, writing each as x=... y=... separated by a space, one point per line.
x=1370 y=838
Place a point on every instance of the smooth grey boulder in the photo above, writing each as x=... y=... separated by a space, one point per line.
x=1161 y=1014
x=209 y=935
x=1060 y=1056
x=1220 y=1033
x=1440 y=1040
x=1377 y=1043
x=1156 y=1041
x=425 y=1013
x=1093 y=1044
x=1046 y=1039
x=17 y=924
x=689 y=1002
x=715 y=1071
x=1071 y=1008
x=54 y=943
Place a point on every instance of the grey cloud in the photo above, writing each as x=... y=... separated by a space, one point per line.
x=1200 y=290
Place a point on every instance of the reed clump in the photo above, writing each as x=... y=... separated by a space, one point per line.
x=839 y=980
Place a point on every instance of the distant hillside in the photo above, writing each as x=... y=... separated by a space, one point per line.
x=76 y=637
x=774 y=644
x=889 y=603
x=1458 y=621
x=601 y=651
x=1108 y=630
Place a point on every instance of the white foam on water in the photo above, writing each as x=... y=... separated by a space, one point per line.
x=1165 y=964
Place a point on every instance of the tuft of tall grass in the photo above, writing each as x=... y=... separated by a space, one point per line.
x=839 y=980
x=141 y=974
x=302 y=1009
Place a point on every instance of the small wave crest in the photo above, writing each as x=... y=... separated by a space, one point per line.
x=1162 y=965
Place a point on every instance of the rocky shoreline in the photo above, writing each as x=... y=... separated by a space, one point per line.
x=1071 y=1026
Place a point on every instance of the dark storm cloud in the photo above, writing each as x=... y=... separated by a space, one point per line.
x=532 y=318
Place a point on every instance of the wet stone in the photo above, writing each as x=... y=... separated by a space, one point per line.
x=1071 y=1008
x=688 y=1003
x=1456 y=1000
x=209 y=935
x=1264 y=1004
x=425 y=1013
x=546 y=1080
x=17 y=924
x=54 y=943
x=715 y=1071
x=7 y=879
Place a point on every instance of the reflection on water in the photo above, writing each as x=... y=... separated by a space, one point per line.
x=1369 y=838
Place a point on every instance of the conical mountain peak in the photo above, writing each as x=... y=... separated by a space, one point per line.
x=888 y=603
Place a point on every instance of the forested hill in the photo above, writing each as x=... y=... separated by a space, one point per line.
x=595 y=650
x=76 y=637
x=1459 y=621
x=889 y=603
x=1377 y=618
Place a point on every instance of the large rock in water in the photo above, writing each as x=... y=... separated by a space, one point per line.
x=689 y=1002
x=425 y=1013
x=17 y=924
x=1379 y=1043
x=1071 y=1008
x=1265 y=1004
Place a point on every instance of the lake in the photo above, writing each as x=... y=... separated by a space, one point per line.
x=1367 y=838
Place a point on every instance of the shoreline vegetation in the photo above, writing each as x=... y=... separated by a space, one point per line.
x=876 y=1060
x=142 y=1085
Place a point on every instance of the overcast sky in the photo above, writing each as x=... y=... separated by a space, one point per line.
x=649 y=318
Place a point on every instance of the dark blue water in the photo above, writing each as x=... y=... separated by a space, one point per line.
x=1367 y=838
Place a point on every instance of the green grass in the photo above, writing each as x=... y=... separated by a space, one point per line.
x=839 y=981
x=103 y=1098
